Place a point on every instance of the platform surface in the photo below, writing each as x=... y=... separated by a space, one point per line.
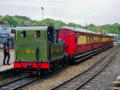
x=6 y=67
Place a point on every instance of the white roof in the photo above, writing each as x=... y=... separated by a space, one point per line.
x=32 y=28
x=79 y=29
x=113 y=35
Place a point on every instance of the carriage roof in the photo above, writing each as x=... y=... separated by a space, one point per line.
x=78 y=29
x=82 y=30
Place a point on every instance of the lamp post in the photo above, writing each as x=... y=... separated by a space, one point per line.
x=42 y=8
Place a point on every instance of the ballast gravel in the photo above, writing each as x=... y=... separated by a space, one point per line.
x=104 y=81
x=67 y=73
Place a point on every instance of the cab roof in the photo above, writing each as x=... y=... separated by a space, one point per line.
x=32 y=28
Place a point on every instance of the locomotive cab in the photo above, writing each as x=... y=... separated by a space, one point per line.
x=36 y=48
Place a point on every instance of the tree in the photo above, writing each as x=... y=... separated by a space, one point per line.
x=36 y=23
x=22 y=17
x=71 y=24
x=59 y=24
x=0 y=17
x=26 y=21
x=10 y=20
x=47 y=21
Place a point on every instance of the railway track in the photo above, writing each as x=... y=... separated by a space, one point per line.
x=25 y=80
x=18 y=82
x=13 y=80
x=76 y=82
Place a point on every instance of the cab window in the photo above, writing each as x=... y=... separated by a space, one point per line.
x=23 y=34
x=37 y=34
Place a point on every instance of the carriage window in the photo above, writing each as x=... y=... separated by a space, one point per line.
x=23 y=34
x=37 y=34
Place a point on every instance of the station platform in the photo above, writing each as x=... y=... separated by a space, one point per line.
x=4 y=68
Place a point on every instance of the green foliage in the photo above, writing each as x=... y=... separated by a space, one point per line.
x=16 y=20
x=109 y=28
x=47 y=21
x=36 y=23
x=9 y=20
x=59 y=24
x=22 y=17
x=71 y=24
x=0 y=17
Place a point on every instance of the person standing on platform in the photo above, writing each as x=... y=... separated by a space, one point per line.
x=6 y=52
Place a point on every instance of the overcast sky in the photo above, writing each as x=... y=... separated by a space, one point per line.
x=97 y=12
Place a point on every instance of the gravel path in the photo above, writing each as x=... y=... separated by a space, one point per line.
x=104 y=80
x=67 y=73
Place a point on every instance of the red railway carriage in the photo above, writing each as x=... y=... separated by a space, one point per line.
x=69 y=38
x=78 y=41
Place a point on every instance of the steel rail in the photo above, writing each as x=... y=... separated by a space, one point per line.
x=20 y=83
x=58 y=86
x=106 y=64
x=24 y=84
x=3 y=84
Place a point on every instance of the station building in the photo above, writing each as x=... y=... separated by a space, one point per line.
x=4 y=33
